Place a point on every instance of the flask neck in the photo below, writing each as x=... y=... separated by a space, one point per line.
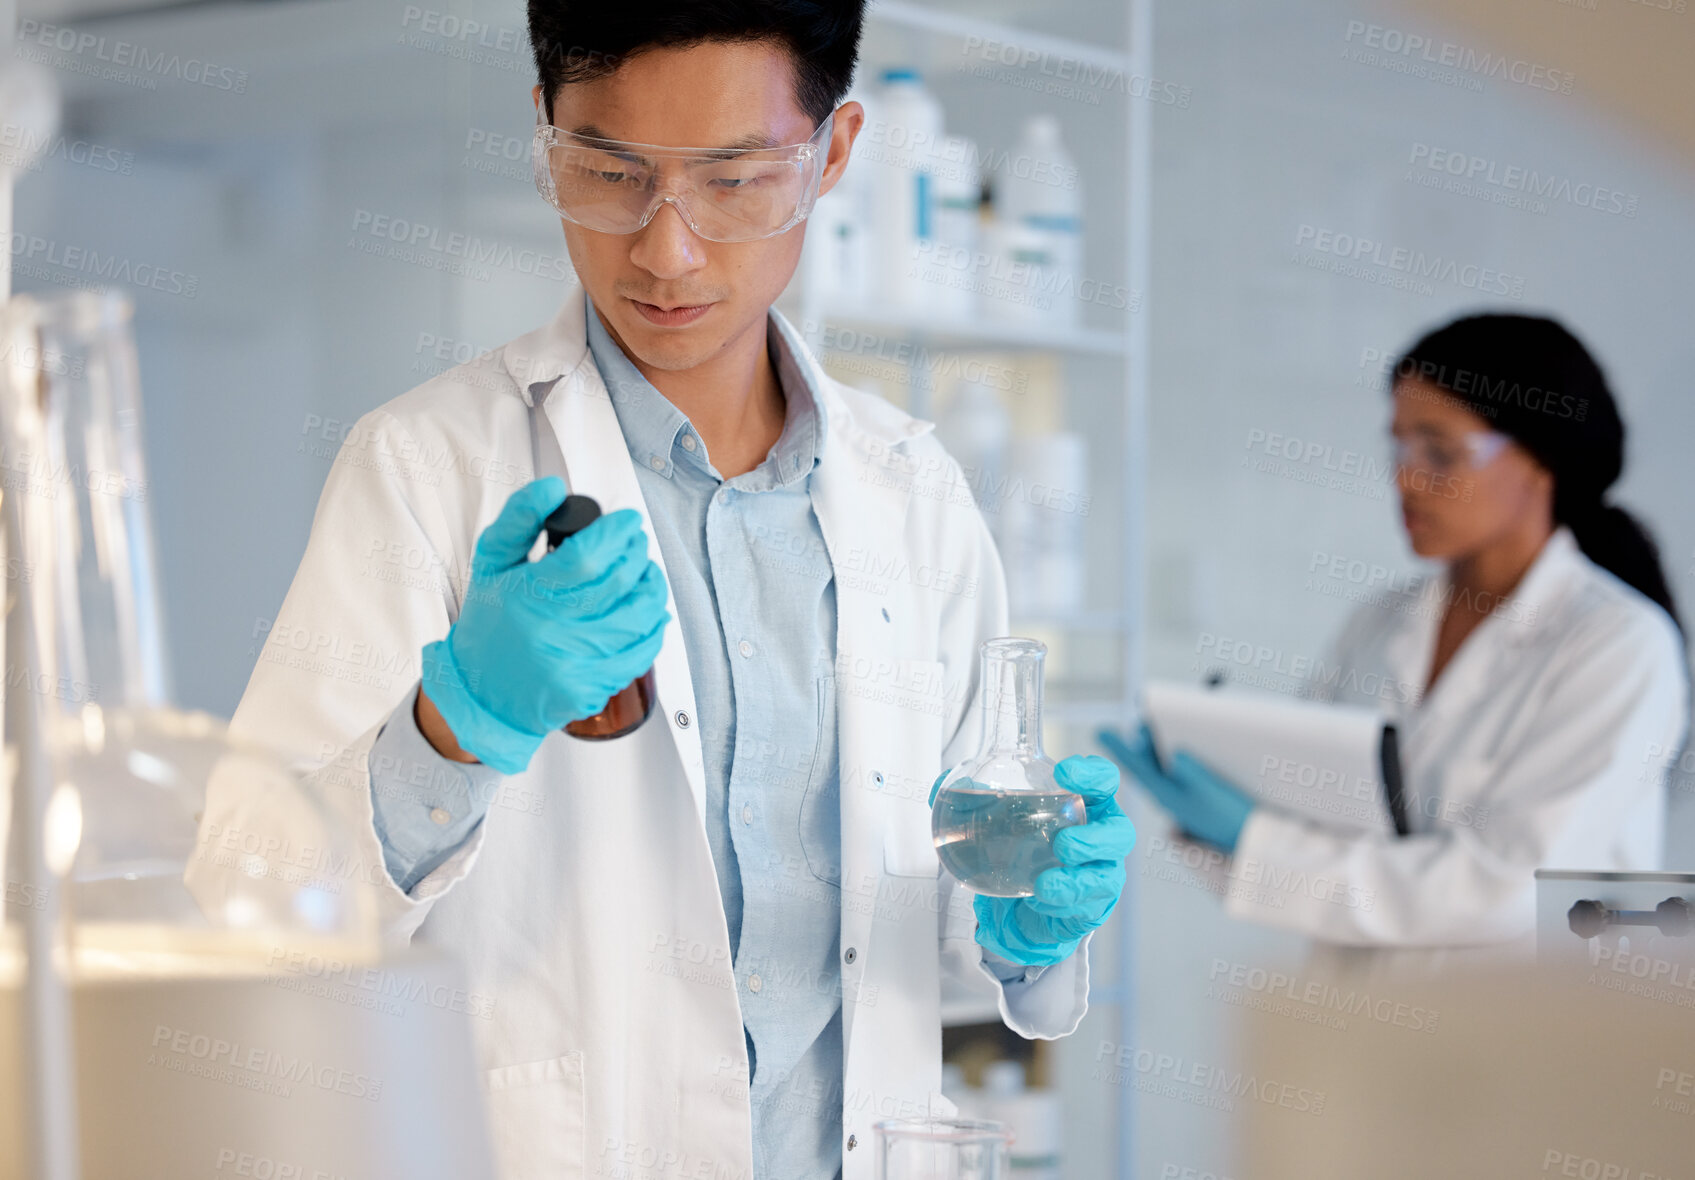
x=1012 y=701
x=85 y=540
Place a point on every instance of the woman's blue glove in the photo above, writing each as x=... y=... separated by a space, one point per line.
x=1076 y=897
x=542 y=643
x=1204 y=804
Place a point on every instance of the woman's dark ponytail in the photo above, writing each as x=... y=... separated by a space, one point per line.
x=1616 y=541
x=1533 y=380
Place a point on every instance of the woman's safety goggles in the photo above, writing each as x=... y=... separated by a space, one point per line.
x=1448 y=455
x=723 y=194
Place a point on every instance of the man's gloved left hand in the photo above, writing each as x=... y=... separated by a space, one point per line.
x=1076 y=897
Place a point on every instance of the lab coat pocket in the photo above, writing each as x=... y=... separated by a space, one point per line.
x=821 y=798
x=908 y=851
x=537 y=1118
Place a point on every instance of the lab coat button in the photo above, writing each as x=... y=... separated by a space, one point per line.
x=682 y=719
x=440 y=815
x=849 y=955
x=853 y=1141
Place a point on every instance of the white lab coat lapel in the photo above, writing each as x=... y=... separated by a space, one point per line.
x=598 y=464
x=856 y=514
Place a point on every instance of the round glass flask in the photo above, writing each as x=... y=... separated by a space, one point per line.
x=996 y=813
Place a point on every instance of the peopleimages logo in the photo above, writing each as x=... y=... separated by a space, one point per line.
x=1362 y=257
x=1397 y=44
x=1511 y=184
x=421 y=242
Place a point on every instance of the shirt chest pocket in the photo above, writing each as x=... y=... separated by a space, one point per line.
x=819 y=828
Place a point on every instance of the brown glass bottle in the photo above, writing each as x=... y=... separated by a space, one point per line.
x=629 y=706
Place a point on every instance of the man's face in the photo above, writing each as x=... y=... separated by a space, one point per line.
x=672 y=299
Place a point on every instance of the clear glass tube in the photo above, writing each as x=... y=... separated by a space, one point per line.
x=995 y=813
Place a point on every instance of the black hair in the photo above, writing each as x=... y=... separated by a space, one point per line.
x=579 y=42
x=1534 y=381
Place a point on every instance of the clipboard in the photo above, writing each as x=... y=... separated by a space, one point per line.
x=1335 y=765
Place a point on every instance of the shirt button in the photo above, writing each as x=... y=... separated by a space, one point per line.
x=656 y=463
x=688 y=442
x=440 y=815
x=754 y=983
x=747 y=814
x=745 y=648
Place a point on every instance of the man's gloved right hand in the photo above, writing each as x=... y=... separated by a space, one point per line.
x=539 y=644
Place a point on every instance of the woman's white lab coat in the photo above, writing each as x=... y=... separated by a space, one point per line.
x=1544 y=744
x=585 y=907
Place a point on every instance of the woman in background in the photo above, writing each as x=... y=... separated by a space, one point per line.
x=1550 y=688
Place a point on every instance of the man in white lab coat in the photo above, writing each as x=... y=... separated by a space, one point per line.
x=715 y=946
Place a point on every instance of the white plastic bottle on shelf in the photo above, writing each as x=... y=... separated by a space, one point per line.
x=904 y=136
x=948 y=260
x=1035 y=1118
x=975 y=428
x=1021 y=279
x=1044 y=511
x=1041 y=193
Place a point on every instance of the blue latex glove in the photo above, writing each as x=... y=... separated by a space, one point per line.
x=539 y=644
x=1076 y=897
x=1205 y=805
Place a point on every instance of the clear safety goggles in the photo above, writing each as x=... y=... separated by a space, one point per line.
x=723 y=194
x=1448 y=454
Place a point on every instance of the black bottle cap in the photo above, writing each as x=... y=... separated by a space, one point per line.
x=570 y=518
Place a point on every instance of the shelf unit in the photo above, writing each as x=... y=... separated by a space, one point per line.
x=931 y=30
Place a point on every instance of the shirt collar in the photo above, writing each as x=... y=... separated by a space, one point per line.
x=655 y=429
x=556 y=354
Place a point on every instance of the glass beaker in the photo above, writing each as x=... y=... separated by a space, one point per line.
x=941 y=1149
x=996 y=813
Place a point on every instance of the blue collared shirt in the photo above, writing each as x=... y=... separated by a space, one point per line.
x=755 y=597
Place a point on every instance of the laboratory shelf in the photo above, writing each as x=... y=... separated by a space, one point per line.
x=933 y=19
x=976 y=1010
x=974 y=332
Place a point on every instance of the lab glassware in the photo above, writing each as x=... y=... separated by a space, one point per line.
x=192 y=890
x=941 y=1149
x=627 y=708
x=996 y=813
x=134 y=776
